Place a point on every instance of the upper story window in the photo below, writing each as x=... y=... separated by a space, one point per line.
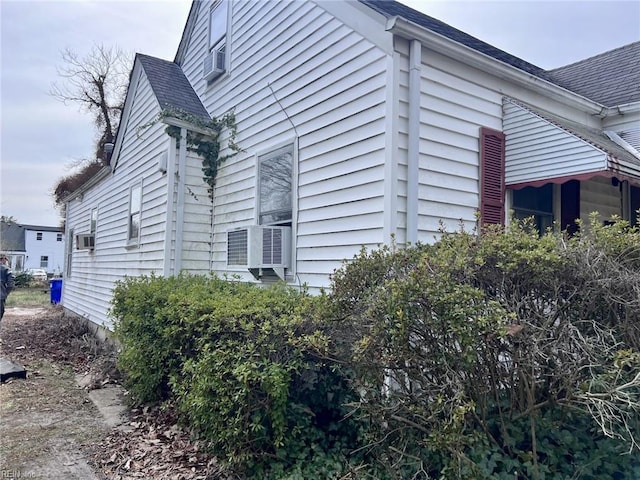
x=94 y=221
x=218 y=24
x=135 y=206
x=275 y=173
x=39 y=236
x=58 y=237
x=215 y=62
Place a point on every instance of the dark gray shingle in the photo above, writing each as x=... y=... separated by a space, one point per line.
x=391 y=8
x=171 y=87
x=611 y=78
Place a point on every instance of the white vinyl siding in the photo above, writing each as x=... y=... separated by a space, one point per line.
x=455 y=102
x=316 y=79
x=88 y=286
x=536 y=149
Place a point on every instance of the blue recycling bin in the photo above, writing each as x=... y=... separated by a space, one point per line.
x=55 y=287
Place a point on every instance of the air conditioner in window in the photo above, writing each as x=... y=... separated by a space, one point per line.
x=85 y=242
x=260 y=247
x=213 y=64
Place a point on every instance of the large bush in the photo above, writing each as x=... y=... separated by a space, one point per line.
x=243 y=365
x=499 y=354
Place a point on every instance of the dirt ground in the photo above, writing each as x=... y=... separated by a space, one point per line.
x=51 y=427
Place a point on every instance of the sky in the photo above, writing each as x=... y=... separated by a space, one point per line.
x=41 y=138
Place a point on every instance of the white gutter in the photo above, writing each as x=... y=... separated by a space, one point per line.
x=413 y=160
x=182 y=170
x=171 y=183
x=469 y=56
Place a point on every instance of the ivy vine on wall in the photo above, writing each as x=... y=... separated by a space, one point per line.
x=207 y=146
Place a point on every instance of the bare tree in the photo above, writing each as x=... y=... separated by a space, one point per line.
x=97 y=82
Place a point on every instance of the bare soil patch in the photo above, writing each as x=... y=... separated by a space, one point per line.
x=51 y=428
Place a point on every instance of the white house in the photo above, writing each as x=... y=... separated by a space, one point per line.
x=359 y=122
x=34 y=246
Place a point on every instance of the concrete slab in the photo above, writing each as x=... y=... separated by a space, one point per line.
x=9 y=369
x=110 y=401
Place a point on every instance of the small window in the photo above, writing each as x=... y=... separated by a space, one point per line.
x=94 y=221
x=275 y=178
x=218 y=24
x=59 y=237
x=39 y=236
x=69 y=256
x=135 y=203
x=44 y=261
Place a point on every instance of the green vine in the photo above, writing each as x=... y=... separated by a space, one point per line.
x=205 y=145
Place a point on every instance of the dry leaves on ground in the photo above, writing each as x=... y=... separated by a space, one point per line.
x=152 y=445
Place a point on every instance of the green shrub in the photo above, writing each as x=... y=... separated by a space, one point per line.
x=472 y=353
x=243 y=365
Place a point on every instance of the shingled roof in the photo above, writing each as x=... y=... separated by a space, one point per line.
x=391 y=8
x=611 y=78
x=171 y=87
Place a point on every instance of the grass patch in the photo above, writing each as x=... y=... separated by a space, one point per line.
x=29 y=297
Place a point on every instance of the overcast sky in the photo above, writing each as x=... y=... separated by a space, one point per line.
x=41 y=138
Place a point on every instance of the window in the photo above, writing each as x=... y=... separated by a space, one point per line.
x=135 y=202
x=274 y=187
x=218 y=24
x=69 y=258
x=491 y=176
x=94 y=221
x=59 y=237
x=44 y=261
x=536 y=203
x=39 y=236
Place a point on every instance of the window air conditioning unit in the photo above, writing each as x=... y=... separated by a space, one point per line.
x=85 y=242
x=213 y=65
x=260 y=247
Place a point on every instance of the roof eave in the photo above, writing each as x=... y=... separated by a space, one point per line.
x=102 y=173
x=410 y=30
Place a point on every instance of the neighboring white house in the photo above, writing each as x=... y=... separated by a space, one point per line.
x=34 y=246
x=359 y=122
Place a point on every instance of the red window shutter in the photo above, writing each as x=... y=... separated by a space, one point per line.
x=491 y=176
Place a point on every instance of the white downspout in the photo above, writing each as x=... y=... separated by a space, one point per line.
x=413 y=164
x=171 y=183
x=182 y=170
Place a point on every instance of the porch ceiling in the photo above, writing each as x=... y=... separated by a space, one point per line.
x=542 y=147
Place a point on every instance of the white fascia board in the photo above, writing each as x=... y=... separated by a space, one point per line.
x=440 y=43
x=136 y=72
x=625 y=109
x=361 y=19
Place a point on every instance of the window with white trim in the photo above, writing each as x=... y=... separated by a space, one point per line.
x=275 y=173
x=135 y=207
x=94 y=221
x=215 y=63
x=69 y=254
x=58 y=237
x=218 y=16
x=39 y=236
x=44 y=261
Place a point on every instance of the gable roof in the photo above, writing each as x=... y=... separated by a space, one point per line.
x=391 y=8
x=611 y=78
x=170 y=86
x=12 y=237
